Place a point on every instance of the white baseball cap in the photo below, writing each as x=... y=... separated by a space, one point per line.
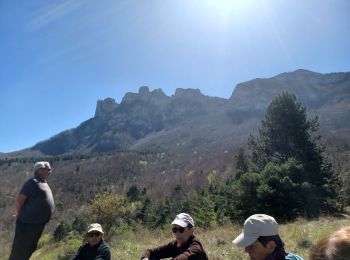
x=255 y=226
x=183 y=220
x=95 y=227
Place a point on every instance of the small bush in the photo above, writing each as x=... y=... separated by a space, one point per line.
x=61 y=231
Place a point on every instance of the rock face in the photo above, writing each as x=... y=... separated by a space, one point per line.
x=189 y=121
x=325 y=95
x=105 y=106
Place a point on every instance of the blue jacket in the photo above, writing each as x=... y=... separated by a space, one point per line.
x=282 y=255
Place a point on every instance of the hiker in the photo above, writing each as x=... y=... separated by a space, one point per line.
x=185 y=246
x=34 y=206
x=261 y=240
x=336 y=246
x=94 y=247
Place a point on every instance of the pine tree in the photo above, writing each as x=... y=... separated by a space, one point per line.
x=61 y=231
x=286 y=133
x=241 y=162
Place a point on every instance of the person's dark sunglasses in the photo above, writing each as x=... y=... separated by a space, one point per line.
x=94 y=234
x=180 y=229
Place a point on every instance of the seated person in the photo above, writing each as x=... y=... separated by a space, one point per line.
x=94 y=246
x=185 y=246
x=336 y=246
x=261 y=240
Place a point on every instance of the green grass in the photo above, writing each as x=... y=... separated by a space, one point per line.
x=129 y=244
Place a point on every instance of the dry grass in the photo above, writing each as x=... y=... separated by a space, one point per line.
x=298 y=237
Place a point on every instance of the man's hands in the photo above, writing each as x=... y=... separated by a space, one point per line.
x=21 y=199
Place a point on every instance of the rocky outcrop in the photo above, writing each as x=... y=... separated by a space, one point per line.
x=189 y=120
x=105 y=106
x=156 y=97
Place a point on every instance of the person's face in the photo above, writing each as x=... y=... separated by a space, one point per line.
x=258 y=251
x=44 y=173
x=94 y=237
x=182 y=234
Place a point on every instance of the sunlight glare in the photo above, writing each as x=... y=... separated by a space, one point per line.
x=226 y=7
x=227 y=11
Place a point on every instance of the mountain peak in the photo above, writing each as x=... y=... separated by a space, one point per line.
x=300 y=73
x=144 y=94
x=105 y=106
x=188 y=93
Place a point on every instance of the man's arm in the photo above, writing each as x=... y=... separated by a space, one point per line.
x=20 y=200
x=25 y=192
x=195 y=250
x=164 y=251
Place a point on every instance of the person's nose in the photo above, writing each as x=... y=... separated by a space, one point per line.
x=178 y=234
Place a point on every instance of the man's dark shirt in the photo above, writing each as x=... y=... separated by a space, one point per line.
x=39 y=204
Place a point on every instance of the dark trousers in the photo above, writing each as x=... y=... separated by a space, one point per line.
x=26 y=240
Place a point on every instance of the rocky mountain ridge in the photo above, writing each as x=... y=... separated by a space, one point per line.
x=189 y=121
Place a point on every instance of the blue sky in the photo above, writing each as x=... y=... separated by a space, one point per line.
x=57 y=58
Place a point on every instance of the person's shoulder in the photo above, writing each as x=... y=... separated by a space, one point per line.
x=33 y=181
x=105 y=245
x=291 y=256
x=29 y=184
x=195 y=239
x=104 y=242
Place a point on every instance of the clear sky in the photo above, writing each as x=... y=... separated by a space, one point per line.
x=58 y=57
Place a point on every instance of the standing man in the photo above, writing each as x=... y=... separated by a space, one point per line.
x=261 y=240
x=186 y=245
x=34 y=206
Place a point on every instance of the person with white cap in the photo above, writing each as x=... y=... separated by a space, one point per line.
x=185 y=246
x=34 y=206
x=94 y=247
x=261 y=240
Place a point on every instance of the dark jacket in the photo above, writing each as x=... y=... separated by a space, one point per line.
x=100 y=251
x=192 y=250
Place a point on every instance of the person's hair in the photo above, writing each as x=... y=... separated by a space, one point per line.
x=264 y=240
x=189 y=225
x=336 y=246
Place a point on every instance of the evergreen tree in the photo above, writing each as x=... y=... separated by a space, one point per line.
x=241 y=162
x=79 y=224
x=286 y=134
x=242 y=195
x=204 y=211
x=133 y=194
x=61 y=231
x=177 y=200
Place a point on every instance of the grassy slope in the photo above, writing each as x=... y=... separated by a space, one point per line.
x=298 y=237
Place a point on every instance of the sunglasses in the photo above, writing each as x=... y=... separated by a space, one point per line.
x=180 y=229
x=94 y=234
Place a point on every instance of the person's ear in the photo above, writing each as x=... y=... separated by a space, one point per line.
x=271 y=245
